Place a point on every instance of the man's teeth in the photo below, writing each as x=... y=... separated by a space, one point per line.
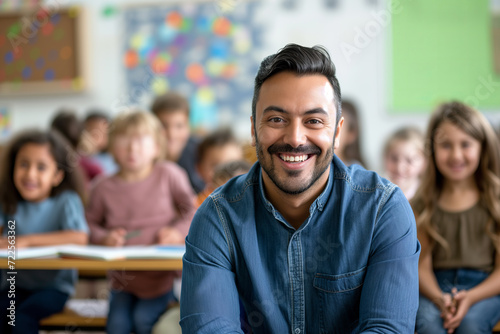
x=291 y=158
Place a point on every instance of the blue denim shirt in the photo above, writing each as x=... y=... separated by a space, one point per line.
x=350 y=268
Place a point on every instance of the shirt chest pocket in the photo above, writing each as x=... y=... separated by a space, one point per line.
x=339 y=298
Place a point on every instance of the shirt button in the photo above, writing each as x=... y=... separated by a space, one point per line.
x=297 y=330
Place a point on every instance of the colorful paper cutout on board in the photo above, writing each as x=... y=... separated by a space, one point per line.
x=39 y=47
x=197 y=51
x=5 y=123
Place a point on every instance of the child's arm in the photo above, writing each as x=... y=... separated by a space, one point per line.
x=52 y=238
x=185 y=203
x=429 y=286
x=466 y=298
x=184 y=200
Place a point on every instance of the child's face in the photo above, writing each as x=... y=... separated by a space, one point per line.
x=457 y=154
x=404 y=163
x=348 y=136
x=176 y=125
x=97 y=133
x=216 y=156
x=134 y=151
x=36 y=172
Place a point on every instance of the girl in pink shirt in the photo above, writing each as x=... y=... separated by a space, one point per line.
x=148 y=201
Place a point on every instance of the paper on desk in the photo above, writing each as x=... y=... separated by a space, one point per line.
x=127 y=252
x=30 y=252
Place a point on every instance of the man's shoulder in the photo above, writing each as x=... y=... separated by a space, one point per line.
x=240 y=187
x=358 y=179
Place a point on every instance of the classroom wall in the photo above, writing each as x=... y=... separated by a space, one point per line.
x=363 y=74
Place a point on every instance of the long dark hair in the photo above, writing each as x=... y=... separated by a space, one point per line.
x=65 y=157
x=352 y=151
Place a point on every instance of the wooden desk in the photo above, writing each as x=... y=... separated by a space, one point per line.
x=66 y=263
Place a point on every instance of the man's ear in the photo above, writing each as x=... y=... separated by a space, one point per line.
x=336 y=140
x=58 y=177
x=252 y=131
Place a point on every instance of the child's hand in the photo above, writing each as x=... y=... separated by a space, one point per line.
x=21 y=242
x=447 y=307
x=115 y=237
x=169 y=235
x=463 y=303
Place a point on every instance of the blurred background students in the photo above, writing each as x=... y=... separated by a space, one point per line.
x=219 y=147
x=349 y=150
x=404 y=159
x=172 y=109
x=67 y=124
x=95 y=141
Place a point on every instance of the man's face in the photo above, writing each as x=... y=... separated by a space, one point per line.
x=294 y=131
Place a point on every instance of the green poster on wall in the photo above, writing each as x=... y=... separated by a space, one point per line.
x=442 y=50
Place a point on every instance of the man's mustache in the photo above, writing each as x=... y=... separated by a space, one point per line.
x=287 y=148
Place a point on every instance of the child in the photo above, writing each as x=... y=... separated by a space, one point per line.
x=146 y=202
x=71 y=128
x=457 y=210
x=172 y=109
x=404 y=159
x=226 y=171
x=349 y=150
x=218 y=147
x=95 y=141
x=40 y=191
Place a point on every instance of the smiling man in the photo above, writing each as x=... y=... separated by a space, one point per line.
x=305 y=243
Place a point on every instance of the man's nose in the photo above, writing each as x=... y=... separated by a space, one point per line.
x=295 y=134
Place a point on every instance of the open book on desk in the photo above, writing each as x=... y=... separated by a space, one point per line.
x=29 y=253
x=98 y=252
x=126 y=252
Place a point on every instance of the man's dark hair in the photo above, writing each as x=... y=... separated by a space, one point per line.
x=170 y=102
x=300 y=60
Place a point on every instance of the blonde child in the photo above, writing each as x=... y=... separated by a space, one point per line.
x=40 y=205
x=148 y=201
x=404 y=159
x=457 y=209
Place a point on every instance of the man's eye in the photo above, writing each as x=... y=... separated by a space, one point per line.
x=276 y=120
x=314 y=121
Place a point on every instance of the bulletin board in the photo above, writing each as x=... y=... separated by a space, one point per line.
x=443 y=50
x=41 y=51
x=203 y=50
